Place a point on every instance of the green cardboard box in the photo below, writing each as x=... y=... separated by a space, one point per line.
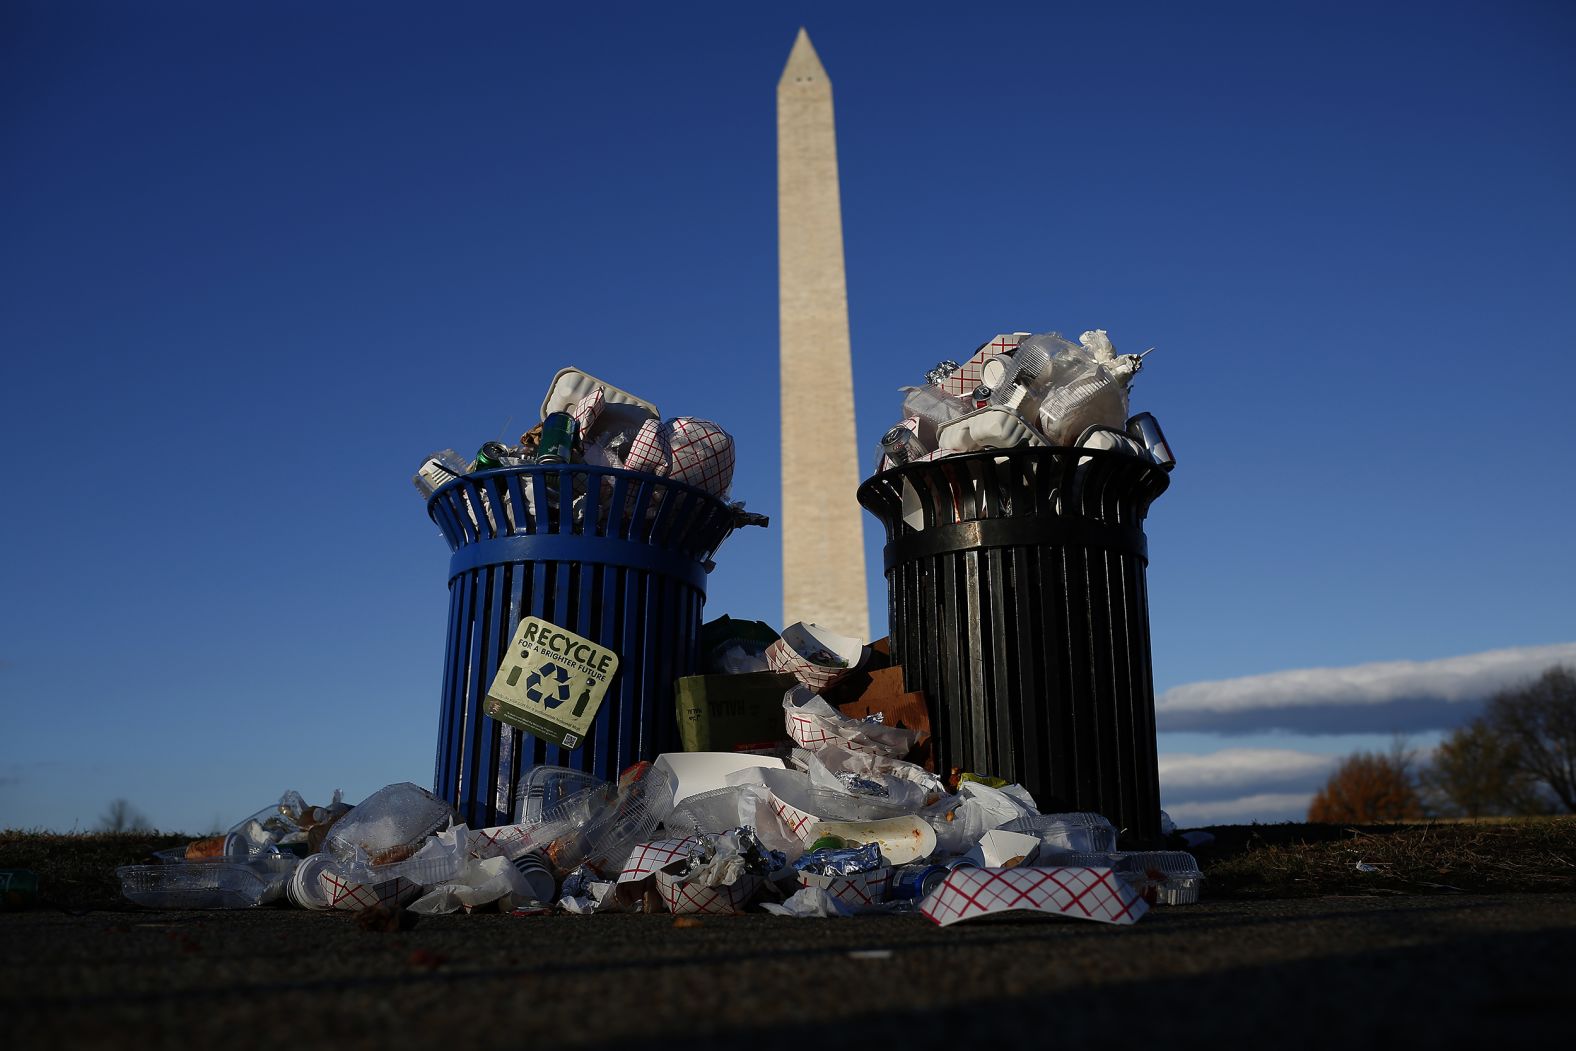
x=732 y=713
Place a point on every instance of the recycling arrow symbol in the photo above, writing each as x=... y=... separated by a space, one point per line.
x=546 y=679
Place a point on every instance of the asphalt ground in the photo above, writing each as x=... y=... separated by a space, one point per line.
x=1363 y=971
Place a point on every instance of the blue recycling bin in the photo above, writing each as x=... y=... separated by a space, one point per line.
x=618 y=557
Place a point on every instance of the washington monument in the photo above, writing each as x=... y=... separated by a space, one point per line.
x=822 y=527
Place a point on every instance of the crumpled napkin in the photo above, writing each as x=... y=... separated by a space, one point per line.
x=809 y=903
x=480 y=882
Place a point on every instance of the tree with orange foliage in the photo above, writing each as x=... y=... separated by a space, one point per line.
x=1369 y=788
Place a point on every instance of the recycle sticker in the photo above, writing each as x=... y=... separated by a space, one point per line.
x=551 y=682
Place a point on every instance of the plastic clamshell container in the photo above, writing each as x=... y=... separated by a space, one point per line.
x=1079 y=831
x=1182 y=879
x=217 y=884
x=545 y=787
x=388 y=826
x=598 y=826
x=714 y=811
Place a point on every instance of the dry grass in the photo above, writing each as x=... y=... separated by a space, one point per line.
x=77 y=871
x=1479 y=857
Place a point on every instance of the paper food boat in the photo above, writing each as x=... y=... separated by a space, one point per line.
x=792 y=652
x=685 y=897
x=345 y=894
x=856 y=889
x=1078 y=893
x=646 y=859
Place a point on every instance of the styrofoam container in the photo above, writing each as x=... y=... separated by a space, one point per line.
x=902 y=839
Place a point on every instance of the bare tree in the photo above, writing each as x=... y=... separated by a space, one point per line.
x=1369 y=788
x=121 y=816
x=1538 y=721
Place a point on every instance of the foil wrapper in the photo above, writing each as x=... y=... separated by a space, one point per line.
x=577 y=883
x=741 y=842
x=842 y=861
x=863 y=786
x=943 y=369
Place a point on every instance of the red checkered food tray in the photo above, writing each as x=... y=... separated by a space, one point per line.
x=1077 y=893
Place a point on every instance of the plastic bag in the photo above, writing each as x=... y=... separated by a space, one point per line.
x=812 y=723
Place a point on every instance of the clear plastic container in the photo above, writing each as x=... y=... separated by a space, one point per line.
x=598 y=827
x=215 y=884
x=437 y=470
x=1028 y=375
x=545 y=787
x=934 y=407
x=715 y=811
x=1051 y=857
x=387 y=827
x=1174 y=874
x=1075 y=831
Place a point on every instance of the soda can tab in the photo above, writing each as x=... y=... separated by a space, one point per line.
x=1145 y=429
x=900 y=445
x=912 y=882
x=943 y=369
x=981 y=396
x=560 y=435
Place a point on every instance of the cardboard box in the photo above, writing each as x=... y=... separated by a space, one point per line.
x=733 y=713
x=881 y=690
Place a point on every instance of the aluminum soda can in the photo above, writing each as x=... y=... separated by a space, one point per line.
x=900 y=445
x=560 y=435
x=1145 y=429
x=981 y=396
x=913 y=882
x=489 y=456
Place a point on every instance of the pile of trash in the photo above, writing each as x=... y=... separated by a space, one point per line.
x=844 y=818
x=599 y=427
x=1021 y=389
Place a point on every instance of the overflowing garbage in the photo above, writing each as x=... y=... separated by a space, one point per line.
x=600 y=427
x=808 y=784
x=838 y=819
x=1023 y=389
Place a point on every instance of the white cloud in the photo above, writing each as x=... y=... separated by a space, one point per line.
x=1384 y=697
x=1237 y=772
x=1266 y=807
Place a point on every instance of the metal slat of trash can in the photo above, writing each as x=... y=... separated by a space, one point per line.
x=1018 y=604
x=628 y=572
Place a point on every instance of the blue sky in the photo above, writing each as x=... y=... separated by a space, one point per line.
x=259 y=259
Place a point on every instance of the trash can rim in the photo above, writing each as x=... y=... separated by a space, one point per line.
x=590 y=469
x=1022 y=452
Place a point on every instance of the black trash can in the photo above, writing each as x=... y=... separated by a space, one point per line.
x=1018 y=604
x=615 y=556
